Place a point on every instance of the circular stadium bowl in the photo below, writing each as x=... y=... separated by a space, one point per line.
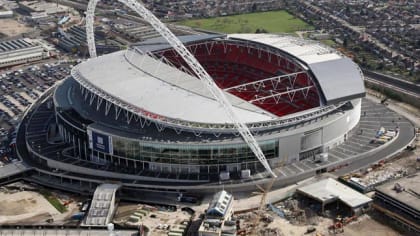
x=141 y=116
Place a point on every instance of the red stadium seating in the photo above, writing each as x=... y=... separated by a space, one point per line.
x=232 y=65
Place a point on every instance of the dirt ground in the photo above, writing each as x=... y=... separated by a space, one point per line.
x=402 y=165
x=12 y=27
x=22 y=206
x=368 y=226
x=288 y=229
x=363 y=226
x=154 y=218
x=27 y=207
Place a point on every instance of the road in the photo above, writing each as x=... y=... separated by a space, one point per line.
x=393 y=83
x=364 y=160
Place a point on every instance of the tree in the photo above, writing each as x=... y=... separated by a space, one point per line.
x=345 y=42
x=254 y=7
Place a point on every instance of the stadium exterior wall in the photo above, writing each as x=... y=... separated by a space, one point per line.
x=300 y=142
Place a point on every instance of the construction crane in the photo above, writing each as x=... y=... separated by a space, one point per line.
x=261 y=207
x=198 y=69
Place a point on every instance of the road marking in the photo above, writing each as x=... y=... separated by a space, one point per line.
x=287 y=171
x=297 y=167
x=281 y=172
x=290 y=170
x=304 y=163
x=333 y=157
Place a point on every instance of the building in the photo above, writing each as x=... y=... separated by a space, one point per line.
x=6 y=10
x=399 y=200
x=218 y=216
x=102 y=207
x=329 y=191
x=221 y=206
x=20 y=51
x=74 y=40
x=49 y=8
x=140 y=116
x=6 y=14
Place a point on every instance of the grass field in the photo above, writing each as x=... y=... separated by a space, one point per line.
x=53 y=201
x=273 y=22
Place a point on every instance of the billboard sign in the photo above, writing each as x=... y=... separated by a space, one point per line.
x=100 y=142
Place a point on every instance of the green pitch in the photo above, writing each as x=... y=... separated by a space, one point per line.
x=272 y=22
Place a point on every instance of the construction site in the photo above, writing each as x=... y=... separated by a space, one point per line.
x=366 y=179
x=24 y=204
x=302 y=211
x=155 y=220
x=308 y=210
x=302 y=215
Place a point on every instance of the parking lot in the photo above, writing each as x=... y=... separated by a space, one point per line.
x=373 y=117
x=19 y=88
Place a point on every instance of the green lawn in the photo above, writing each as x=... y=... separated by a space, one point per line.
x=53 y=200
x=273 y=22
x=328 y=42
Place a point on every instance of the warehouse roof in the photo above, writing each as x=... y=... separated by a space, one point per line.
x=409 y=196
x=329 y=190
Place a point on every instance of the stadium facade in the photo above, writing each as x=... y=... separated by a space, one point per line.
x=141 y=116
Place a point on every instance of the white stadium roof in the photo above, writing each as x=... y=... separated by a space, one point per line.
x=305 y=50
x=163 y=90
x=340 y=79
x=144 y=83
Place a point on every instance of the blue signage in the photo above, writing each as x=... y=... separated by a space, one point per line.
x=101 y=142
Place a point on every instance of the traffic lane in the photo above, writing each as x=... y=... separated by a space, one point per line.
x=405 y=136
x=393 y=81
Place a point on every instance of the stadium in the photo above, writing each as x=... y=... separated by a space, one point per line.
x=142 y=118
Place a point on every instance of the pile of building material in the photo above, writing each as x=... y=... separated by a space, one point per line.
x=374 y=178
x=140 y=213
x=367 y=179
x=270 y=232
x=178 y=229
x=292 y=211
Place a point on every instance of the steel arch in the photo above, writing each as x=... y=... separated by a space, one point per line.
x=190 y=60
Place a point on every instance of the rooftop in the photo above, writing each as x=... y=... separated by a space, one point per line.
x=410 y=194
x=220 y=204
x=153 y=86
x=344 y=82
x=42 y=6
x=328 y=190
x=68 y=96
x=148 y=86
x=306 y=50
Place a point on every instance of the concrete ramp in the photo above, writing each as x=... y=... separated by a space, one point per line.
x=13 y=169
x=102 y=207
